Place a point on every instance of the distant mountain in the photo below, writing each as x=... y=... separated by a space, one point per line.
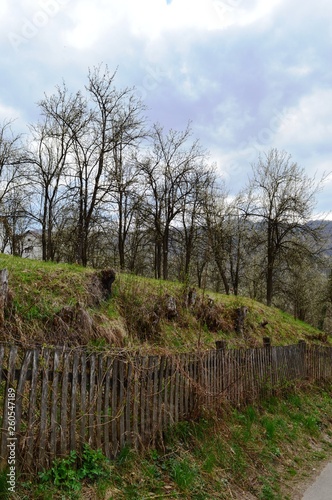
x=326 y=226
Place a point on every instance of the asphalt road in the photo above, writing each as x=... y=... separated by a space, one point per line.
x=321 y=489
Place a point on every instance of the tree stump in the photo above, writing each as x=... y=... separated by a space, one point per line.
x=107 y=277
x=3 y=294
x=241 y=314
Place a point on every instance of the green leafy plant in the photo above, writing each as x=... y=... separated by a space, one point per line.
x=65 y=474
x=94 y=465
x=62 y=474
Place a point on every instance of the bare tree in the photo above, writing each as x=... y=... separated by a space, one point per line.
x=11 y=162
x=169 y=178
x=281 y=199
x=63 y=116
x=192 y=215
x=126 y=190
x=215 y=211
x=113 y=127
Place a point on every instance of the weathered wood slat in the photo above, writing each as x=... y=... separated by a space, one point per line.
x=114 y=409
x=177 y=389
x=166 y=399
x=92 y=399
x=64 y=406
x=148 y=399
x=106 y=420
x=54 y=424
x=161 y=394
x=99 y=398
x=185 y=385
x=44 y=397
x=73 y=402
x=136 y=396
x=83 y=389
x=191 y=383
x=143 y=399
x=9 y=394
x=32 y=418
x=172 y=392
x=19 y=400
x=128 y=409
x=122 y=403
x=154 y=399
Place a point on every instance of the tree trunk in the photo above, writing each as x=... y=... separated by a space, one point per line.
x=165 y=253
x=270 y=266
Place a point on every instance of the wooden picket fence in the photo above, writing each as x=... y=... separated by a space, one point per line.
x=65 y=398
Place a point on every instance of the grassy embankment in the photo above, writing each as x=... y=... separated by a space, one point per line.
x=260 y=451
x=266 y=452
x=56 y=303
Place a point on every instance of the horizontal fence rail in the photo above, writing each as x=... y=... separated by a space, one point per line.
x=55 y=400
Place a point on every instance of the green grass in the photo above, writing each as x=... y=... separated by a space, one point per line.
x=262 y=450
x=257 y=449
x=137 y=312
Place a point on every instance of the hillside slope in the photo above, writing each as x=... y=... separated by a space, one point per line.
x=55 y=304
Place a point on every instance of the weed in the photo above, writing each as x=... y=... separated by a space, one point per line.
x=94 y=465
x=270 y=427
x=66 y=476
x=209 y=462
x=183 y=473
x=126 y=456
x=4 y=492
x=62 y=475
x=268 y=493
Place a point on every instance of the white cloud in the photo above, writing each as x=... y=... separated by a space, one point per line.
x=310 y=121
x=246 y=72
x=152 y=19
x=9 y=114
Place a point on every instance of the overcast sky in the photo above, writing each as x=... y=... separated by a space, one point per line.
x=249 y=74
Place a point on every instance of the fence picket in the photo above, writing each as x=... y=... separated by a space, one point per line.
x=106 y=421
x=128 y=437
x=99 y=399
x=92 y=399
x=44 y=405
x=121 y=382
x=64 y=405
x=73 y=402
x=29 y=455
x=54 y=405
x=114 y=407
x=7 y=397
x=83 y=388
x=19 y=396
